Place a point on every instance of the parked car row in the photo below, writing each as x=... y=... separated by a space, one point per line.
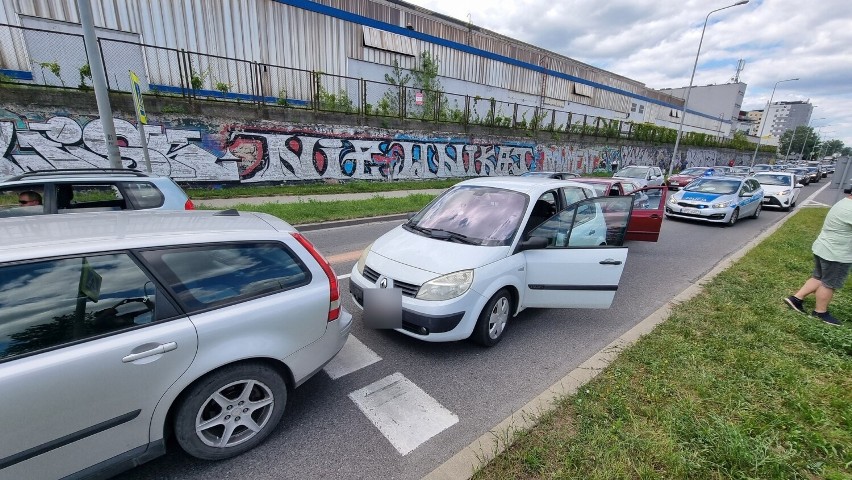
x=201 y=323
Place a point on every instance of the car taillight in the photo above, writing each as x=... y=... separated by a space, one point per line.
x=188 y=205
x=334 y=288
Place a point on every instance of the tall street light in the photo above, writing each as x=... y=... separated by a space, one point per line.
x=689 y=88
x=807 y=136
x=766 y=117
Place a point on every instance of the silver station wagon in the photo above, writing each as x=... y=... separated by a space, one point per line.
x=117 y=328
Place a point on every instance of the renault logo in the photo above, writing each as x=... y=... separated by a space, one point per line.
x=383 y=283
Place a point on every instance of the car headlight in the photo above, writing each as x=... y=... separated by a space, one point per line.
x=362 y=260
x=449 y=286
x=785 y=192
x=724 y=204
x=672 y=200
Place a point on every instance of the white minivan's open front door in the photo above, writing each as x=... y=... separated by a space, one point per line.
x=583 y=261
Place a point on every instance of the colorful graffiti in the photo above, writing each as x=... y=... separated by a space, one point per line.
x=250 y=154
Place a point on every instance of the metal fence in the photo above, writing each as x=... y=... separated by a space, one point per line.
x=55 y=59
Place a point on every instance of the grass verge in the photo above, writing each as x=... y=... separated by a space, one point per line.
x=359 y=186
x=733 y=385
x=314 y=211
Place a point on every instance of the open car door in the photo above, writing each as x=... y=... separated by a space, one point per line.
x=647 y=217
x=583 y=261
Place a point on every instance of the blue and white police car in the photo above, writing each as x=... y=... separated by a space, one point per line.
x=717 y=199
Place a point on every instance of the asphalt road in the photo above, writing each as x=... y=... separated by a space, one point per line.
x=325 y=435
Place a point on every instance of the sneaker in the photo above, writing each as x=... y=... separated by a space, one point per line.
x=795 y=304
x=826 y=317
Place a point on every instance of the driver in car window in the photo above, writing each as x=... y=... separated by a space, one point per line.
x=29 y=198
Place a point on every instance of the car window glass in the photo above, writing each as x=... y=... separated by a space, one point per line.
x=144 y=194
x=79 y=197
x=484 y=215
x=49 y=303
x=648 y=199
x=573 y=194
x=214 y=275
x=21 y=200
x=594 y=222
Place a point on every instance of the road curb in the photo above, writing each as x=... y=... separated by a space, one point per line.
x=477 y=454
x=307 y=227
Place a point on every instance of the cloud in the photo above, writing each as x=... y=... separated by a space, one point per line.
x=655 y=43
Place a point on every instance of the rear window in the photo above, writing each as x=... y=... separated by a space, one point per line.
x=144 y=194
x=204 y=277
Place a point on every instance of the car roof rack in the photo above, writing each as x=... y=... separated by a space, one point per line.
x=61 y=171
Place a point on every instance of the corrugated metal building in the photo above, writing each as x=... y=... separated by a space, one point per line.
x=351 y=38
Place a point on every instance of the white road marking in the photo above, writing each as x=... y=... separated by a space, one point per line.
x=344 y=276
x=406 y=415
x=352 y=357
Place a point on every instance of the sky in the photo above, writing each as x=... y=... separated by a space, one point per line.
x=655 y=42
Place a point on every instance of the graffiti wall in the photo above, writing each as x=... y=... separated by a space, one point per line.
x=264 y=152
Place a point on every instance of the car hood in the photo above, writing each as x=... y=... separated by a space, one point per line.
x=681 y=178
x=432 y=255
x=700 y=197
x=773 y=189
x=638 y=181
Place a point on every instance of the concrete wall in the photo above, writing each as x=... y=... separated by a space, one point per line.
x=228 y=142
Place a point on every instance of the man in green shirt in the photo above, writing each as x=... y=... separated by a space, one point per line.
x=832 y=260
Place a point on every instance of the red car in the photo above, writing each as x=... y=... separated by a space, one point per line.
x=647 y=216
x=676 y=182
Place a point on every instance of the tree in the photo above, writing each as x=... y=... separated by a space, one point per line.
x=831 y=147
x=799 y=136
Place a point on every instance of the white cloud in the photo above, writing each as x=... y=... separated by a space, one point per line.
x=655 y=42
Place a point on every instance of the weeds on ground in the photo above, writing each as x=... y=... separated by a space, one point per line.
x=319 y=188
x=314 y=211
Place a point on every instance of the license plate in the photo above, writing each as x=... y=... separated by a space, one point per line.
x=692 y=211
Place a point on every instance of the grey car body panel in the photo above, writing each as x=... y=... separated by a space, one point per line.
x=288 y=327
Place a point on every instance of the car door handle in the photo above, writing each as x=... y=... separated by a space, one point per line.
x=610 y=261
x=159 y=349
x=655 y=216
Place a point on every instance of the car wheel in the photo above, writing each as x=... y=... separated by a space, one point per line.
x=734 y=217
x=757 y=211
x=230 y=411
x=494 y=319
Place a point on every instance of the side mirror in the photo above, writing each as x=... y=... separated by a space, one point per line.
x=533 y=243
x=746 y=194
x=798 y=185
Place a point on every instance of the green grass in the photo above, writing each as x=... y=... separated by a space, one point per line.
x=359 y=186
x=314 y=211
x=733 y=385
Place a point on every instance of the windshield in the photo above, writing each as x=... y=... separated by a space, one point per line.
x=762 y=168
x=632 y=172
x=712 y=185
x=741 y=169
x=600 y=188
x=697 y=172
x=782 y=180
x=472 y=214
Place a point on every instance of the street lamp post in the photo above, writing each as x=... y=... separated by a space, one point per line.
x=766 y=117
x=691 y=78
x=806 y=141
x=807 y=136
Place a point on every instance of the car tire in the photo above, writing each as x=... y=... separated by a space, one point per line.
x=734 y=217
x=256 y=396
x=494 y=319
x=757 y=211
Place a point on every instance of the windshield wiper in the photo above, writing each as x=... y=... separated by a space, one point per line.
x=425 y=231
x=454 y=236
